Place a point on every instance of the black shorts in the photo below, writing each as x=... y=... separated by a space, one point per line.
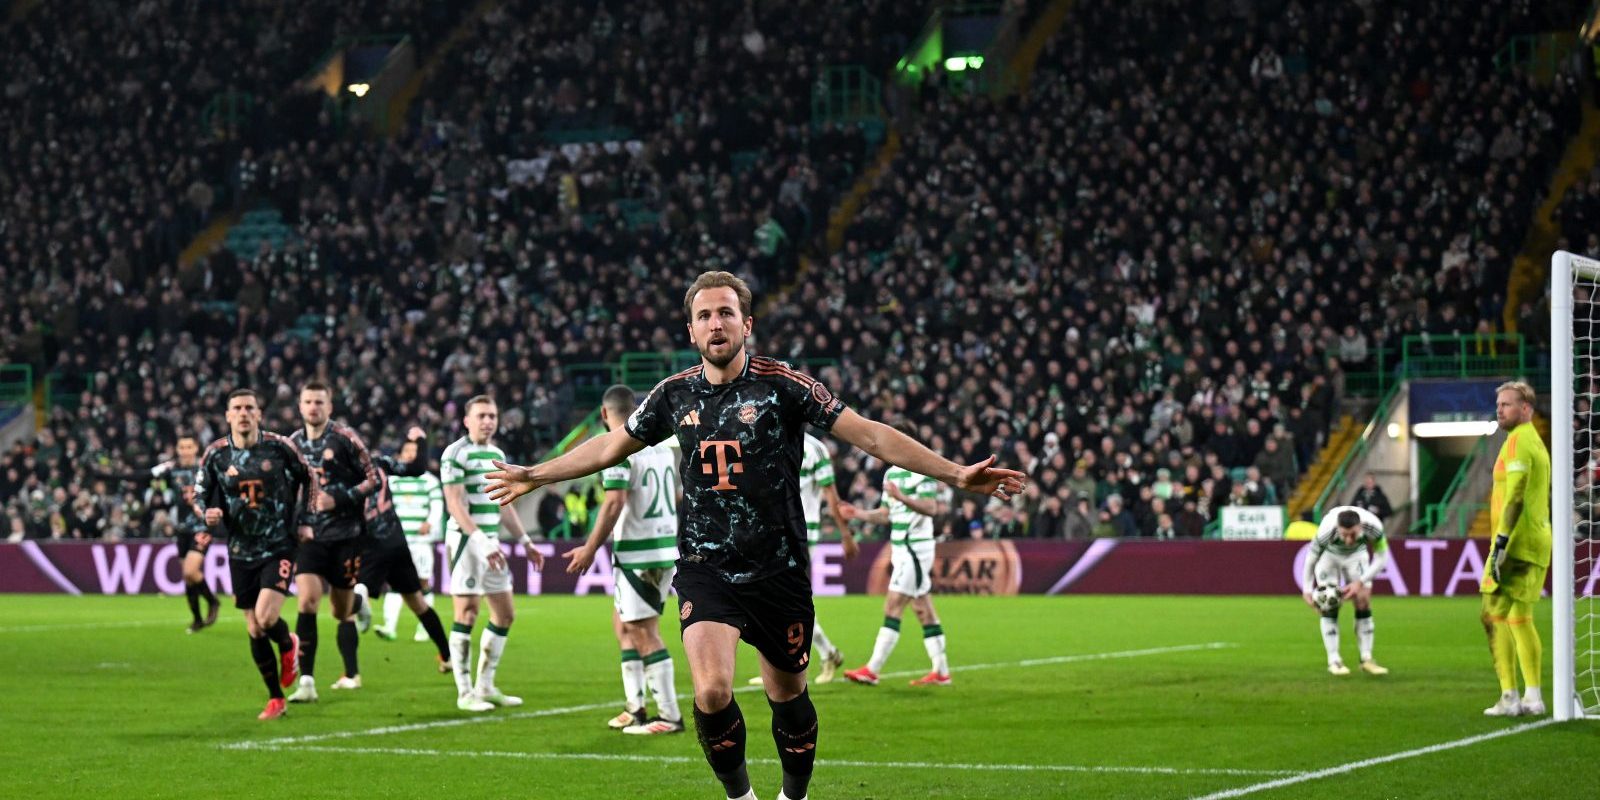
x=390 y=565
x=774 y=614
x=338 y=563
x=251 y=578
x=193 y=541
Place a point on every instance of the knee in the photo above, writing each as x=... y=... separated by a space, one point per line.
x=255 y=629
x=467 y=616
x=502 y=618
x=711 y=699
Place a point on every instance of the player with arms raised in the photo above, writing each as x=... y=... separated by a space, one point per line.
x=641 y=507
x=258 y=488
x=1349 y=546
x=743 y=569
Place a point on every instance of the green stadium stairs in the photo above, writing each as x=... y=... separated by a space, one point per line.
x=1343 y=437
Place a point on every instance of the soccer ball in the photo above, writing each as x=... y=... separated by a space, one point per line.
x=1326 y=596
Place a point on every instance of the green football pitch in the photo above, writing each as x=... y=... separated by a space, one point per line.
x=1141 y=697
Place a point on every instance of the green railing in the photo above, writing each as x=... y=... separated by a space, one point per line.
x=1336 y=482
x=580 y=433
x=1433 y=515
x=16 y=385
x=1473 y=355
x=1530 y=52
x=846 y=93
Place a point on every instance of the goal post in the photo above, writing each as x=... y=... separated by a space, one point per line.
x=1574 y=303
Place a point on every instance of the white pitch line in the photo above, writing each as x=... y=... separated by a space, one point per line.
x=611 y=704
x=1372 y=762
x=83 y=626
x=824 y=762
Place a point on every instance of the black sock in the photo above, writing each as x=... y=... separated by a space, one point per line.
x=305 y=627
x=435 y=628
x=722 y=738
x=267 y=663
x=279 y=633
x=794 y=729
x=349 y=639
x=192 y=593
x=205 y=591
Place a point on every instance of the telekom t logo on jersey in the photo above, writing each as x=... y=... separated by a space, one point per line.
x=723 y=469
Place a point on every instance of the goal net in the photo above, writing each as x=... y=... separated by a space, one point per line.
x=1574 y=461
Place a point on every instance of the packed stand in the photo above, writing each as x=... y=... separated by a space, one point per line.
x=1145 y=281
x=443 y=263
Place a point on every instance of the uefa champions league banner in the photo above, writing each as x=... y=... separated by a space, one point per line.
x=1417 y=567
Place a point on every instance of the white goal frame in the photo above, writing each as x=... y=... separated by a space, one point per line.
x=1565 y=702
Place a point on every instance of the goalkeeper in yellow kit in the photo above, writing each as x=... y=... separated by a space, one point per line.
x=1514 y=576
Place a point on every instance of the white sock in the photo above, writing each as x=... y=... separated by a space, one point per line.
x=1364 y=637
x=659 y=677
x=750 y=795
x=887 y=638
x=935 y=646
x=782 y=796
x=632 y=680
x=1533 y=694
x=461 y=659
x=490 y=645
x=1330 y=638
x=819 y=640
x=391 y=611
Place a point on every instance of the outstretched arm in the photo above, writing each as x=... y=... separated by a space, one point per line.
x=887 y=444
x=513 y=481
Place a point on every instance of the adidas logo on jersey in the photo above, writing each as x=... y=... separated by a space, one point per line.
x=691 y=418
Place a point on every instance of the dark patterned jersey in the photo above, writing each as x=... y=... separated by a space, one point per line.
x=176 y=483
x=742 y=448
x=264 y=492
x=383 y=524
x=344 y=472
x=180 y=481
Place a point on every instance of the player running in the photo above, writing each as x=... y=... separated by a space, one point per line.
x=641 y=507
x=743 y=569
x=419 y=505
x=386 y=561
x=477 y=566
x=189 y=528
x=257 y=487
x=1349 y=547
x=910 y=502
x=347 y=478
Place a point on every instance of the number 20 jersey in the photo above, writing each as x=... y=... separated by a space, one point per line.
x=742 y=449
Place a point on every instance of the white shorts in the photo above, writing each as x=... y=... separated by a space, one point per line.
x=469 y=565
x=422 y=557
x=911 y=568
x=641 y=593
x=1338 y=570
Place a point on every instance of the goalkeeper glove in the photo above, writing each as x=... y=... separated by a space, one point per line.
x=1497 y=555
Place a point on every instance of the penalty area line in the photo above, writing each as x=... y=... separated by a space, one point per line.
x=1355 y=766
x=821 y=762
x=612 y=704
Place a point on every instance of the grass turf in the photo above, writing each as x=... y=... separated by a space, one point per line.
x=1146 y=697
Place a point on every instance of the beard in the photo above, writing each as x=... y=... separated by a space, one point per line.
x=735 y=347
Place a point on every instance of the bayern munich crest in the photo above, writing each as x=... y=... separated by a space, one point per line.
x=747 y=415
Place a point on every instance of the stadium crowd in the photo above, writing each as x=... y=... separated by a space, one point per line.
x=1142 y=282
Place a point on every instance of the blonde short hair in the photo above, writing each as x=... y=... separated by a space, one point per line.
x=1522 y=388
